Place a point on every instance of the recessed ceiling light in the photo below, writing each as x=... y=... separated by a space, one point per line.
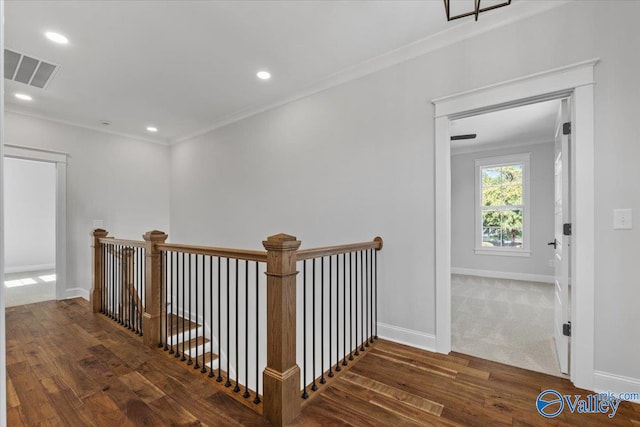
x=263 y=75
x=152 y=129
x=56 y=37
x=23 y=96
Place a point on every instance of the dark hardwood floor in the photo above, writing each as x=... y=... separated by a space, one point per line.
x=69 y=367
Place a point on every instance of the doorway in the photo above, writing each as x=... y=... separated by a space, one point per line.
x=502 y=216
x=30 y=218
x=55 y=165
x=576 y=81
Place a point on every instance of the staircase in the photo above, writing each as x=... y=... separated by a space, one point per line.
x=188 y=342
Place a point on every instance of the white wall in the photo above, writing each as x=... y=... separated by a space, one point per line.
x=463 y=213
x=357 y=160
x=122 y=181
x=30 y=209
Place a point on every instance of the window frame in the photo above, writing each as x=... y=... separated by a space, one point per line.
x=525 y=160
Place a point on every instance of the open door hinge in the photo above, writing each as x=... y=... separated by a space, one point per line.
x=566 y=128
x=566 y=329
x=566 y=229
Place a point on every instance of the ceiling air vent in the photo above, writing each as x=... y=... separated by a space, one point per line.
x=26 y=69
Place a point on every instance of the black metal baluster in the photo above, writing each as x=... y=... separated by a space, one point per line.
x=344 y=309
x=256 y=400
x=102 y=278
x=237 y=387
x=322 y=379
x=113 y=283
x=163 y=281
x=172 y=255
x=357 y=343
x=351 y=335
x=338 y=368
x=228 y=382
x=330 y=315
x=375 y=263
x=204 y=293
x=368 y=298
x=362 y=304
x=219 y=378
x=183 y=357
x=246 y=329
x=196 y=365
x=305 y=395
x=314 y=386
x=189 y=321
x=371 y=295
x=211 y=374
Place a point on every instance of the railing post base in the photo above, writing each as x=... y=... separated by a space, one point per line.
x=96 y=290
x=152 y=317
x=281 y=387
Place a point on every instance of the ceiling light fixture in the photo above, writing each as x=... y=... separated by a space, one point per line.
x=56 y=37
x=263 y=75
x=23 y=96
x=477 y=10
x=152 y=129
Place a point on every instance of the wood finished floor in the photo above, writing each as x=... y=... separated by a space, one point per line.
x=69 y=367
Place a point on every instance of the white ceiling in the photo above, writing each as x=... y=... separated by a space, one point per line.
x=188 y=66
x=528 y=124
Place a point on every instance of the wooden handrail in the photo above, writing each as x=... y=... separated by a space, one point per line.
x=259 y=256
x=122 y=242
x=340 y=249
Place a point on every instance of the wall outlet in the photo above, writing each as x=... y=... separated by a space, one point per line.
x=98 y=223
x=622 y=219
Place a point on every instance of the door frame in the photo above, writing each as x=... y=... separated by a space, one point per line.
x=577 y=81
x=60 y=161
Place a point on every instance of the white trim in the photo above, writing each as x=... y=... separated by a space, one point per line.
x=407 y=336
x=527 y=277
x=3 y=348
x=60 y=161
x=75 y=293
x=455 y=33
x=456 y=151
x=576 y=80
x=14 y=110
x=502 y=252
x=25 y=268
x=604 y=381
x=525 y=160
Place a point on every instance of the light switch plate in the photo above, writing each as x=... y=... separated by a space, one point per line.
x=622 y=219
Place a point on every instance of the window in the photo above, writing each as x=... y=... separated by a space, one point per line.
x=502 y=205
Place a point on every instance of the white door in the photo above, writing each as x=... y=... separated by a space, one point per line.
x=561 y=240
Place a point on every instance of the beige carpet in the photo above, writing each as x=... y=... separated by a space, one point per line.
x=29 y=287
x=506 y=321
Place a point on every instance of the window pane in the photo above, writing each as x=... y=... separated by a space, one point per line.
x=511 y=223
x=491 y=228
x=491 y=176
x=512 y=174
x=512 y=195
x=492 y=196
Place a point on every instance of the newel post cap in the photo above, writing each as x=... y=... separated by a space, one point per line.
x=99 y=232
x=155 y=236
x=378 y=239
x=281 y=241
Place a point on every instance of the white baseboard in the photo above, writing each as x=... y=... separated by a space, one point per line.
x=604 y=382
x=407 y=336
x=76 y=292
x=503 y=275
x=24 y=268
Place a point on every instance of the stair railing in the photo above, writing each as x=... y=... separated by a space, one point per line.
x=234 y=313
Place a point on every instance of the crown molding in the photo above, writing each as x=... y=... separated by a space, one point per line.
x=11 y=109
x=460 y=31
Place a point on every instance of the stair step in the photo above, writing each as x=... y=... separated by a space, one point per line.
x=176 y=326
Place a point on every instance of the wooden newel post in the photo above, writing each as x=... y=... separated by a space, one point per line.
x=96 y=269
x=153 y=288
x=281 y=378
